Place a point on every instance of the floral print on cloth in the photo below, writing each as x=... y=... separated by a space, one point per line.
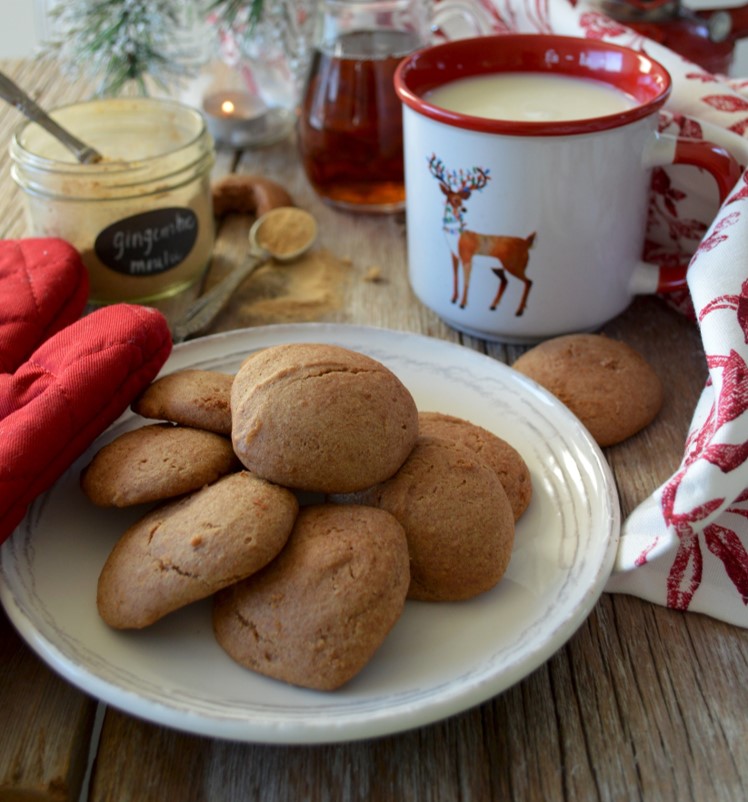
x=686 y=547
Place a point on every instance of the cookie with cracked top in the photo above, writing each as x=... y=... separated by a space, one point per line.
x=189 y=549
x=200 y=399
x=156 y=462
x=318 y=613
x=321 y=418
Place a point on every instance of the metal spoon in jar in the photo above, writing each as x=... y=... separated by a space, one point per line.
x=282 y=234
x=11 y=92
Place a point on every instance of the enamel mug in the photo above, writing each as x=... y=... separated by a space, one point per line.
x=528 y=163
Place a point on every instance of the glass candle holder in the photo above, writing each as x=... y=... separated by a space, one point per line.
x=249 y=88
x=239 y=112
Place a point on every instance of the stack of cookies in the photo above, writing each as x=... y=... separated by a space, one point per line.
x=309 y=497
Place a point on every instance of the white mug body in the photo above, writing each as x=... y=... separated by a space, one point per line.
x=547 y=245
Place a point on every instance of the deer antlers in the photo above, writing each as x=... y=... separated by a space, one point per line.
x=458 y=182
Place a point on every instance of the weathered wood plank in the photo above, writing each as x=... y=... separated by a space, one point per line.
x=46 y=726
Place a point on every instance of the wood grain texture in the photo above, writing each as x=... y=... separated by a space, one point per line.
x=642 y=704
x=46 y=725
x=610 y=717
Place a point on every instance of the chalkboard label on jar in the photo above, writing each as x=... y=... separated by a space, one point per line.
x=148 y=243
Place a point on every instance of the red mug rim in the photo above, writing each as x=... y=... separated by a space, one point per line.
x=635 y=73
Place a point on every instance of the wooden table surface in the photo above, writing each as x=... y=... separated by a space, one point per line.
x=642 y=703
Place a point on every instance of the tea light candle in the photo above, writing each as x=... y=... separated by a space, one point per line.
x=235 y=118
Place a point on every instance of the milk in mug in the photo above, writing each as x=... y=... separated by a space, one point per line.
x=530 y=97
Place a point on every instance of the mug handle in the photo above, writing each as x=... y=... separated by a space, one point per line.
x=468 y=11
x=725 y=170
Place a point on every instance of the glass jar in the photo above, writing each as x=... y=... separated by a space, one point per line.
x=142 y=218
x=350 y=133
x=249 y=89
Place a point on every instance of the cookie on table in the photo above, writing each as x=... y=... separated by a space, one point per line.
x=156 y=462
x=457 y=519
x=188 y=549
x=200 y=399
x=321 y=418
x=509 y=465
x=608 y=385
x=317 y=614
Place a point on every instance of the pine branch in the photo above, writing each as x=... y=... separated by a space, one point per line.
x=229 y=11
x=122 y=42
x=128 y=42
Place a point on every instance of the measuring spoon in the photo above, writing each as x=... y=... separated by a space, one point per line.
x=262 y=248
x=11 y=92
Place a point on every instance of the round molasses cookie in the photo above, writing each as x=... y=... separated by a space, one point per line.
x=321 y=418
x=317 y=614
x=156 y=462
x=197 y=398
x=188 y=549
x=608 y=385
x=494 y=450
x=457 y=519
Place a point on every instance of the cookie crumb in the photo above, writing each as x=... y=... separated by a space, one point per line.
x=374 y=275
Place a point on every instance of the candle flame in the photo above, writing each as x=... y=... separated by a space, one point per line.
x=227 y=107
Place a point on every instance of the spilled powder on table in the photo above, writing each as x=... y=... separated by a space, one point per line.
x=304 y=290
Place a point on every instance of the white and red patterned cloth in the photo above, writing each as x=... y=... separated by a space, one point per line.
x=686 y=547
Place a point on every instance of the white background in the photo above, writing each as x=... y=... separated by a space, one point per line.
x=24 y=25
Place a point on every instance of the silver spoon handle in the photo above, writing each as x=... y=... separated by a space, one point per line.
x=202 y=312
x=11 y=92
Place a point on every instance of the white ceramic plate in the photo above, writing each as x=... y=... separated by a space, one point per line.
x=439 y=659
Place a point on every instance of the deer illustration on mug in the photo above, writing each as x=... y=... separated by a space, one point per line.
x=512 y=253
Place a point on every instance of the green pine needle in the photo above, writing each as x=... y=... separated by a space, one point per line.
x=229 y=10
x=125 y=42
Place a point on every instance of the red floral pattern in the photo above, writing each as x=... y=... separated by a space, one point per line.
x=703 y=508
x=717 y=236
x=598 y=26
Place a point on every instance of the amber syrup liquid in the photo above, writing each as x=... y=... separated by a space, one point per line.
x=350 y=129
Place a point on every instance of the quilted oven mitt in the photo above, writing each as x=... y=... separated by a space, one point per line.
x=43 y=288
x=63 y=380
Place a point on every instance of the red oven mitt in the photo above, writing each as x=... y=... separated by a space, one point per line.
x=43 y=288
x=72 y=386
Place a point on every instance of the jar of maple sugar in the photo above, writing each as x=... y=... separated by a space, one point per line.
x=142 y=217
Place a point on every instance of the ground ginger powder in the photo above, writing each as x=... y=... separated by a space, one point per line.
x=304 y=290
x=286 y=231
